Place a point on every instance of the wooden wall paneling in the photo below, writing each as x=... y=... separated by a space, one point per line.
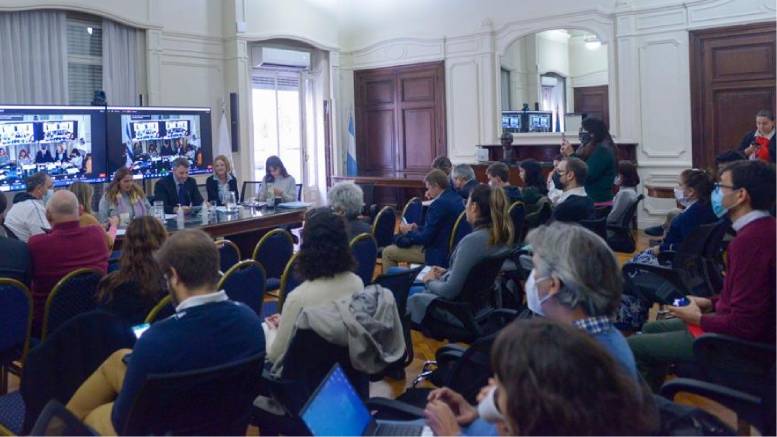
x=375 y=123
x=594 y=101
x=732 y=77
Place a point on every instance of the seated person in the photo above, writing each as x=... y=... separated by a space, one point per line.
x=428 y=243
x=549 y=379
x=627 y=180
x=277 y=182
x=27 y=216
x=492 y=233
x=498 y=175
x=66 y=248
x=574 y=204
x=464 y=181
x=760 y=143
x=745 y=307
x=207 y=330
x=14 y=256
x=442 y=163
x=133 y=290
x=221 y=182
x=534 y=188
x=347 y=199
x=124 y=197
x=178 y=189
x=84 y=193
x=326 y=264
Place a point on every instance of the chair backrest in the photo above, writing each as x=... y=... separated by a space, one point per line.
x=413 y=211
x=598 y=226
x=651 y=284
x=15 y=318
x=114 y=264
x=290 y=279
x=627 y=219
x=399 y=282
x=691 y=261
x=72 y=295
x=273 y=251
x=365 y=251
x=368 y=191
x=245 y=282
x=162 y=310
x=212 y=401
x=56 y=420
x=732 y=362
x=472 y=370
x=203 y=189
x=460 y=230
x=229 y=254
x=541 y=215
x=478 y=286
x=517 y=212
x=383 y=226
x=298 y=190
x=250 y=190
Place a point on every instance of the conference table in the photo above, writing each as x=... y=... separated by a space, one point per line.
x=244 y=226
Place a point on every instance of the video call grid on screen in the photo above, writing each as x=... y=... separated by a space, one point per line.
x=148 y=139
x=67 y=142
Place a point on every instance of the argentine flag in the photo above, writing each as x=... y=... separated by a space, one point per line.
x=350 y=159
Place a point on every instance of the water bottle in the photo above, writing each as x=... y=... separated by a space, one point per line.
x=179 y=218
x=204 y=213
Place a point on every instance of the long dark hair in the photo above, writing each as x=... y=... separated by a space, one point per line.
x=145 y=235
x=600 y=137
x=325 y=251
x=533 y=172
x=560 y=381
x=274 y=162
x=492 y=204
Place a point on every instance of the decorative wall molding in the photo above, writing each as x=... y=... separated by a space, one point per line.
x=463 y=94
x=80 y=7
x=398 y=51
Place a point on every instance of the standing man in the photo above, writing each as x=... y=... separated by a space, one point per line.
x=178 y=189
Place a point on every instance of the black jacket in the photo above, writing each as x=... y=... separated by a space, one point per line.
x=467 y=188
x=166 y=190
x=14 y=259
x=212 y=185
x=748 y=139
x=574 y=209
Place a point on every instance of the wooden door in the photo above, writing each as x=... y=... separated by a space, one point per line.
x=400 y=118
x=732 y=78
x=593 y=101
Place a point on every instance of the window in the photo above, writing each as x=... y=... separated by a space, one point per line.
x=84 y=59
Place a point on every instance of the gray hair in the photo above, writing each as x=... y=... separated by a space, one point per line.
x=463 y=171
x=180 y=162
x=347 y=198
x=64 y=202
x=582 y=261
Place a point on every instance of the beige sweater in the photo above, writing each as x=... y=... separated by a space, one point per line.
x=309 y=294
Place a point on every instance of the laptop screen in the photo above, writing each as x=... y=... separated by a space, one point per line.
x=335 y=408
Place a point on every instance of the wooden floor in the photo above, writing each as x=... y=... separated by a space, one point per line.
x=425 y=348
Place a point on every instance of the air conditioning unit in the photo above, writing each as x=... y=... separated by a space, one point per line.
x=273 y=57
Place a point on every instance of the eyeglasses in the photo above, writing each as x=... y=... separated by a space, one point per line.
x=730 y=187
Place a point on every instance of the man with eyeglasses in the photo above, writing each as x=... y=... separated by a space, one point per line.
x=745 y=307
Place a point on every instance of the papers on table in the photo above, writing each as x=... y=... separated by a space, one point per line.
x=294 y=204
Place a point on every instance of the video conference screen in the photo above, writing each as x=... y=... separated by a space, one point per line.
x=67 y=142
x=147 y=140
x=512 y=121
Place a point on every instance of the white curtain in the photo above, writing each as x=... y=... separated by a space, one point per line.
x=33 y=50
x=123 y=63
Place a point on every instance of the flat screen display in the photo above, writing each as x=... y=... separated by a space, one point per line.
x=148 y=139
x=67 y=142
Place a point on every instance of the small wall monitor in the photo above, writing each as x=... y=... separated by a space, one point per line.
x=67 y=142
x=148 y=139
x=512 y=121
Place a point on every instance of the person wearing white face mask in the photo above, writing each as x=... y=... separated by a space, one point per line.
x=27 y=216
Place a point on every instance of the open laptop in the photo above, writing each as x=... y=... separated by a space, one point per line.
x=336 y=409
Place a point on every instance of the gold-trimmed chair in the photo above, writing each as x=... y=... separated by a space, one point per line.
x=273 y=252
x=74 y=294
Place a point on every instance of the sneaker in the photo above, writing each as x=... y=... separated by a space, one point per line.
x=655 y=231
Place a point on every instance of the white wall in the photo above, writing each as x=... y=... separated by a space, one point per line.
x=552 y=53
x=587 y=67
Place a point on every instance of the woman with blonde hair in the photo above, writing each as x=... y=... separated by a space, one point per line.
x=123 y=196
x=84 y=193
x=133 y=290
x=221 y=182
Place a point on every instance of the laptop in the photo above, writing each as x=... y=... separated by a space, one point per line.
x=336 y=409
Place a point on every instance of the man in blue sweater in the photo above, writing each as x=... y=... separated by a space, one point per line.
x=428 y=243
x=206 y=330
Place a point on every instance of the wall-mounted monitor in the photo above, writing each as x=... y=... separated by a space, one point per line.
x=67 y=142
x=512 y=121
x=148 y=139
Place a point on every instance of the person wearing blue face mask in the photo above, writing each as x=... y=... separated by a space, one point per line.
x=598 y=151
x=745 y=307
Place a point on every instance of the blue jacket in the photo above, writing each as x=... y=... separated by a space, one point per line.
x=196 y=338
x=694 y=216
x=435 y=234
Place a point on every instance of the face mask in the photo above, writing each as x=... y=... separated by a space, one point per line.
x=679 y=194
x=49 y=194
x=584 y=137
x=487 y=409
x=533 y=300
x=717 y=203
x=557 y=181
x=617 y=181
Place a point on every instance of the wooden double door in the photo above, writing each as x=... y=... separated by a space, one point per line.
x=732 y=78
x=400 y=118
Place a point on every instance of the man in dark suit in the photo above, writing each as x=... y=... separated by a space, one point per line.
x=574 y=204
x=178 y=189
x=167 y=149
x=428 y=244
x=760 y=143
x=44 y=155
x=464 y=180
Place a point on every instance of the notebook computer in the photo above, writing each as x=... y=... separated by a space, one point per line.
x=336 y=409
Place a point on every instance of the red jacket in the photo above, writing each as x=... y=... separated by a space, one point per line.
x=68 y=247
x=746 y=306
